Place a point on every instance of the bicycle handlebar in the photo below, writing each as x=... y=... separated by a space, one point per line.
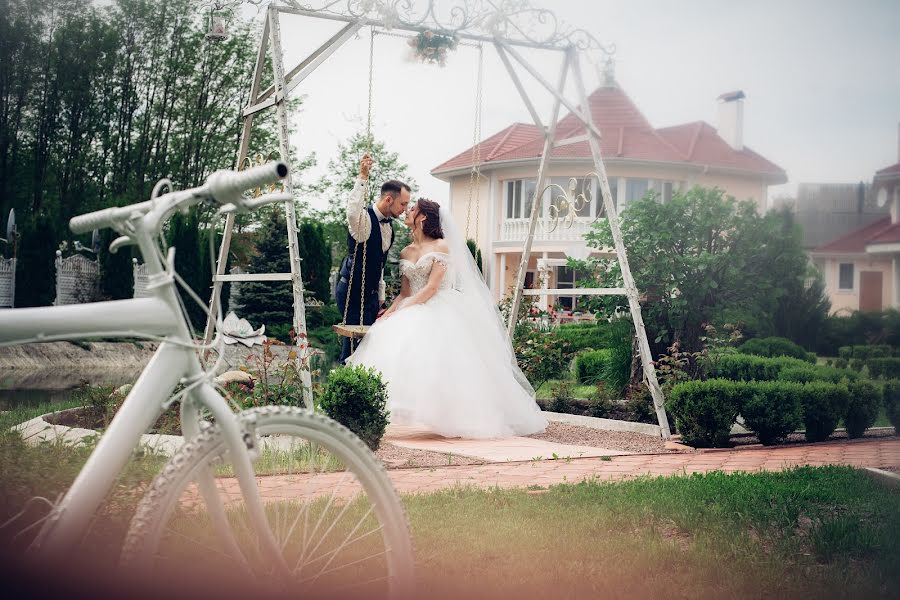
x=223 y=187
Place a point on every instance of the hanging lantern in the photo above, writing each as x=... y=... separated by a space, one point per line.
x=218 y=24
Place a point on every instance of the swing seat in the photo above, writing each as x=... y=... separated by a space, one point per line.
x=355 y=332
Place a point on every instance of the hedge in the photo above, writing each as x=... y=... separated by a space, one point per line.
x=865 y=352
x=824 y=405
x=582 y=336
x=746 y=367
x=589 y=365
x=891 y=399
x=776 y=346
x=704 y=411
x=862 y=410
x=773 y=409
x=883 y=368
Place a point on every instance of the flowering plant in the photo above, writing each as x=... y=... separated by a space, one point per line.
x=432 y=47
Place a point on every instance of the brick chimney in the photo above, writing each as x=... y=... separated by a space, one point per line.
x=731 y=118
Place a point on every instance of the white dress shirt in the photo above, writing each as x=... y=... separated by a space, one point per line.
x=360 y=226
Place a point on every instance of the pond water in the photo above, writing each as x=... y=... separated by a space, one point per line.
x=19 y=387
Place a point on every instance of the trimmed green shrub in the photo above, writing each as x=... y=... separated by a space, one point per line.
x=746 y=367
x=883 y=368
x=356 y=397
x=810 y=373
x=891 y=399
x=841 y=363
x=823 y=406
x=772 y=409
x=864 y=352
x=862 y=410
x=589 y=366
x=582 y=336
x=776 y=346
x=704 y=411
x=857 y=364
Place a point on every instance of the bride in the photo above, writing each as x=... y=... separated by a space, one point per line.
x=441 y=347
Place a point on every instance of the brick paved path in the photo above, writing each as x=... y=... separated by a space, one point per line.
x=858 y=453
x=876 y=452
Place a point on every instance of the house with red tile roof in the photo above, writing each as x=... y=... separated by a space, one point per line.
x=862 y=268
x=639 y=158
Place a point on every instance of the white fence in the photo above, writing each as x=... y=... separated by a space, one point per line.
x=77 y=279
x=515 y=230
x=140 y=279
x=7 y=282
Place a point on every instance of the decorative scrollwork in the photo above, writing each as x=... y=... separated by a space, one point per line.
x=510 y=20
x=571 y=200
x=257 y=160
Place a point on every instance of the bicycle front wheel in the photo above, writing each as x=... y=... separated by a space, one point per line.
x=328 y=503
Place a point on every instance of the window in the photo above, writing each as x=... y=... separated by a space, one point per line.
x=845 y=276
x=636 y=189
x=565 y=280
x=668 y=189
x=519 y=198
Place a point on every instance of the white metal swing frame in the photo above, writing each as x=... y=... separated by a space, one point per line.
x=506 y=36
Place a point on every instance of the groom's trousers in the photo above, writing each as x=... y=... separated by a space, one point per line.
x=370 y=312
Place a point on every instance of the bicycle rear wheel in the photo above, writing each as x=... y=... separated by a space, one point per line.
x=328 y=503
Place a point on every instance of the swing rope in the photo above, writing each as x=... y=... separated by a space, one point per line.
x=362 y=286
x=475 y=173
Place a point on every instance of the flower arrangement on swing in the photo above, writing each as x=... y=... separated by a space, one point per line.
x=432 y=47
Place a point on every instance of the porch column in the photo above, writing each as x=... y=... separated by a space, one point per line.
x=501 y=290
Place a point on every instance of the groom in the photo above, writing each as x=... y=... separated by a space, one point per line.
x=371 y=227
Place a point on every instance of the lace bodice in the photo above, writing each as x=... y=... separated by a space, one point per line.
x=419 y=271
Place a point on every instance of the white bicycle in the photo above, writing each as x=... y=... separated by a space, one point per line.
x=277 y=492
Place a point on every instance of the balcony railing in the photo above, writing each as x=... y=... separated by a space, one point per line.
x=515 y=230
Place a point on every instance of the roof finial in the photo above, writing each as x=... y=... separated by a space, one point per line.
x=608 y=72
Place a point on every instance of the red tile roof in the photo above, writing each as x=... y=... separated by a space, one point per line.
x=626 y=134
x=856 y=241
x=891 y=170
x=891 y=235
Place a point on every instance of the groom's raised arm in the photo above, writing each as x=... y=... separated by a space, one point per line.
x=358 y=223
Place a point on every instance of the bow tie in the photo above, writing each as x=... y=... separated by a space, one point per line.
x=384 y=220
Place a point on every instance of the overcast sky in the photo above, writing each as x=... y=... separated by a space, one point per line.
x=821 y=79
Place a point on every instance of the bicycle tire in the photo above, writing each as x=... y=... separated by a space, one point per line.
x=143 y=546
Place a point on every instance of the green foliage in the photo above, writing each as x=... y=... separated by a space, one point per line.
x=561 y=398
x=589 y=366
x=701 y=255
x=269 y=303
x=583 y=336
x=865 y=351
x=862 y=410
x=476 y=253
x=891 y=399
x=824 y=404
x=704 y=411
x=315 y=259
x=884 y=368
x=357 y=398
x=541 y=355
x=746 y=367
x=35 y=270
x=772 y=409
x=116 y=270
x=860 y=329
x=775 y=346
x=809 y=373
x=601 y=403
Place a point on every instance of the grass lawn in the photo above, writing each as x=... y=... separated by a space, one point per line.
x=545 y=392
x=827 y=532
x=809 y=533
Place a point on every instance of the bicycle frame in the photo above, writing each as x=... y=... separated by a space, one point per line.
x=174 y=362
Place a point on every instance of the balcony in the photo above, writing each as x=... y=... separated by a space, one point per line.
x=515 y=230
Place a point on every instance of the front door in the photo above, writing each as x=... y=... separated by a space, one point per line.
x=870 y=290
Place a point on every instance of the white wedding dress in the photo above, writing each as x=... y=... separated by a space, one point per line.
x=447 y=363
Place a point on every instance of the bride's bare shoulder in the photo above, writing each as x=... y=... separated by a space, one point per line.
x=442 y=246
x=408 y=251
